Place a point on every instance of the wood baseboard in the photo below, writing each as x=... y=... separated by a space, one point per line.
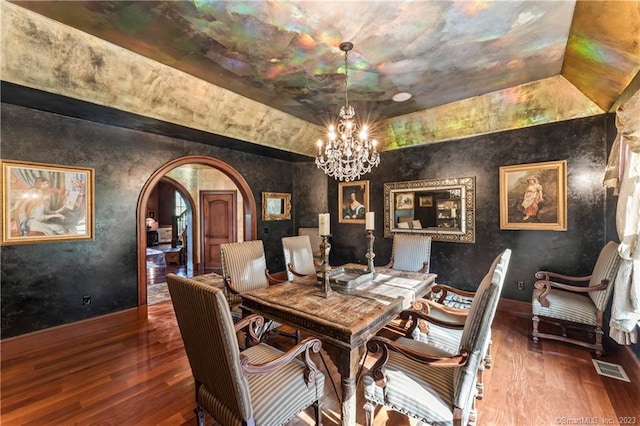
x=19 y=345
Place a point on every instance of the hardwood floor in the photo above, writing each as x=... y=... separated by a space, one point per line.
x=136 y=373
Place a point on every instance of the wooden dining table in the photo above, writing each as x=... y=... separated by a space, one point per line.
x=344 y=320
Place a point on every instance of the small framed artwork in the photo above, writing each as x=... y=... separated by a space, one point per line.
x=46 y=203
x=353 y=201
x=534 y=196
x=276 y=206
x=425 y=201
x=404 y=201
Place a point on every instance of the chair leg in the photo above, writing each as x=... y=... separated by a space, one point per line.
x=487 y=357
x=473 y=413
x=479 y=383
x=535 y=320
x=599 y=347
x=369 y=411
x=317 y=411
x=200 y=415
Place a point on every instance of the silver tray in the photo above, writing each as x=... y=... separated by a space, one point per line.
x=347 y=278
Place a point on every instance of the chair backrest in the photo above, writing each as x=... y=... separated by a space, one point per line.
x=606 y=268
x=298 y=253
x=244 y=265
x=410 y=251
x=477 y=328
x=314 y=238
x=205 y=323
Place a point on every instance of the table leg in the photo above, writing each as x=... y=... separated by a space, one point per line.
x=348 y=401
x=348 y=363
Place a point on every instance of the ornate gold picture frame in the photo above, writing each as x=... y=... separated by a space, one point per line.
x=46 y=203
x=276 y=206
x=353 y=201
x=534 y=196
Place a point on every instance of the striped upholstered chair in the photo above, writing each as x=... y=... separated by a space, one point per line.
x=410 y=252
x=556 y=300
x=244 y=268
x=427 y=383
x=298 y=256
x=443 y=330
x=258 y=386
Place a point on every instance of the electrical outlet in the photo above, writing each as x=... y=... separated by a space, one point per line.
x=520 y=285
x=86 y=300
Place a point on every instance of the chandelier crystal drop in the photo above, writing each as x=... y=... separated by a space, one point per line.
x=348 y=153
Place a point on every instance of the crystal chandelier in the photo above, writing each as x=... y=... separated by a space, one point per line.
x=348 y=153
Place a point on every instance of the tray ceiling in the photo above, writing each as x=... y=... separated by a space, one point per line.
x=472 y=67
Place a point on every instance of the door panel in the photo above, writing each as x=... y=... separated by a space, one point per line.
x=218 y=212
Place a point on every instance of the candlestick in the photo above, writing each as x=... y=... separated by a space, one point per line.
x=325 y=247
x=370 y=222
x=370 y=254
x=324 y=223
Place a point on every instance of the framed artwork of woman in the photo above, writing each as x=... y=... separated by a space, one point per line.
x=353 y=201
x=46 y=203
x=534 y=196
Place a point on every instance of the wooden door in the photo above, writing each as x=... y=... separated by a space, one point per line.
x=218 y=213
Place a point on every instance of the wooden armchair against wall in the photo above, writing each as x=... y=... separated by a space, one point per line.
x=557 y=300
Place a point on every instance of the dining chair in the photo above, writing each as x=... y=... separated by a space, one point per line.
x=315 y=239
x=298 y=257
x=410 y=252
x=443 y=330
x=427 y=383
x=244 y=268
x=260 y=385
x=557 y=300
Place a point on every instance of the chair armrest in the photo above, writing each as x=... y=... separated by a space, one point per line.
x=305 y=347
x=546 y=275
x=271 y=279
x=446 y=289
x=423 y=270
x=440 y=311
x=294 y=272
x=413 y=316
x=546 y=286
x=252 y=322
x=229 y=286
x=384 y=345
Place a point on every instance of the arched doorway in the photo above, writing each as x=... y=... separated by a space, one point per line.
x=249 y=209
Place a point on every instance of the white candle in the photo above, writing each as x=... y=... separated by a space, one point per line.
x=324 y=222
x=370 y=221
x=453 y=212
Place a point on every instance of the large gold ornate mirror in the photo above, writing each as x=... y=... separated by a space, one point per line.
x=442 y=208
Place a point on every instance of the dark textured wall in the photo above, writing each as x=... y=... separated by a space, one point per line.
x=583 y=143
x=309 y=194
x=43 y=284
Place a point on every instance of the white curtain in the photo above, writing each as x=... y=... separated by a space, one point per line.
x=623 y=174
